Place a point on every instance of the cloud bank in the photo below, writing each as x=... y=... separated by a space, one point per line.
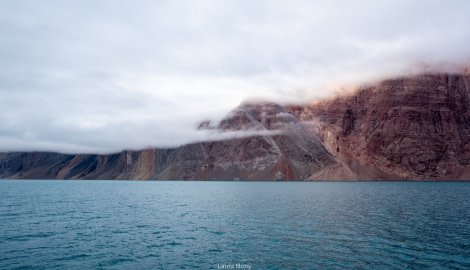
x=102 y=76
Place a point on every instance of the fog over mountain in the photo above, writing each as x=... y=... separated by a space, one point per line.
x=102 y=76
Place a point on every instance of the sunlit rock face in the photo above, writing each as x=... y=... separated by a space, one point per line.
x=406 y=128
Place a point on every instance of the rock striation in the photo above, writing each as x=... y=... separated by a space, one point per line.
x=413 y=128
x=407 y=128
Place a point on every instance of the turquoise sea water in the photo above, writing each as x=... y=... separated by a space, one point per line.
x=249 y=225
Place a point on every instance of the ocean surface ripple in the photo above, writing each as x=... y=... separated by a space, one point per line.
x=245 y=225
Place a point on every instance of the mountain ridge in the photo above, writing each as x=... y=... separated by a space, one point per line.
x=408 y=128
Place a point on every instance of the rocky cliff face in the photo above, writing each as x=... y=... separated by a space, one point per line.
x=270 y=144
x=407 y=128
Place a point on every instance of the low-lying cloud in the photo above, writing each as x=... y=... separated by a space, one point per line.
x=101 y=76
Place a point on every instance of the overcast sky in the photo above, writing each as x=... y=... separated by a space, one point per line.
x=102 y=76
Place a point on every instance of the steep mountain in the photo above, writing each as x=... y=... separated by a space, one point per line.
x=269 y=144
x=406 y=128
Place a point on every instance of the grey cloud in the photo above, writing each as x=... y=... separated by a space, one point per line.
x=103 y=76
